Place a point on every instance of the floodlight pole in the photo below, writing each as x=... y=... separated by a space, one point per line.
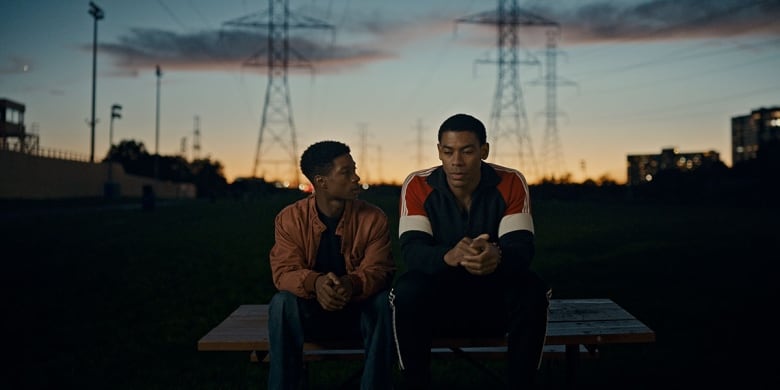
x=157 y=127
x=97 y=14
x=115 y=113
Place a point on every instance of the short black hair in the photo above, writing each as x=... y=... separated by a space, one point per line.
x=318 y=158
x=464 y=122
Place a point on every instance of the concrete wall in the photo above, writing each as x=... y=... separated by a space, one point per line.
x=24 y=176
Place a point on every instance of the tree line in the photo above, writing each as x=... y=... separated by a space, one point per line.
x=754 y=181
x=207 y=175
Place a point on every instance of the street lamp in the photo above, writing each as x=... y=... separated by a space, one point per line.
x=111 y=189
x=116 y=113
x=97 y=14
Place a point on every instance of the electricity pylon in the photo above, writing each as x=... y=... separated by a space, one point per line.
x=508 y=116
x=552 y=152
x=196 y=140
x=277 y=117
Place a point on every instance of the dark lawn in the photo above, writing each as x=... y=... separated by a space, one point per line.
x=117 y=297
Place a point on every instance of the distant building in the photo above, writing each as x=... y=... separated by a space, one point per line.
x=13 y=133
x=643 y=168
x=750 y=132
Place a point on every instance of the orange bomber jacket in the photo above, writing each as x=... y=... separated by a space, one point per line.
x=365 y=244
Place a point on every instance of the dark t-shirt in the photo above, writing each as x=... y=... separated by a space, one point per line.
x=329 y=257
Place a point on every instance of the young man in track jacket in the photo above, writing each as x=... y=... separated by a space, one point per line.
x=467 y=239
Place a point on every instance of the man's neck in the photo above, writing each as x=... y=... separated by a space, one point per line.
x=333 y=208
x=463 y=195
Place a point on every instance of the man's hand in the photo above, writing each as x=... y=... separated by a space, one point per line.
x=344 y=287
x=455 y=256
x=484 y=256
x=331 y=292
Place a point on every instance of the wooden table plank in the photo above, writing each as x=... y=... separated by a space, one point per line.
x=572 y=321
x=586 y=310
x=599 y=332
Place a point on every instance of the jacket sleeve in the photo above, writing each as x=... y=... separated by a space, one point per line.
x=376 y=269
x=289 y=268
x=421 y=253
x=517 y=251
x=516 y=229
x=419 y=249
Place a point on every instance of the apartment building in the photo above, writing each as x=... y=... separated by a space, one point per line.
x=750 y=132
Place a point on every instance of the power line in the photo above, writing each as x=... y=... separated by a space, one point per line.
x=698 y=73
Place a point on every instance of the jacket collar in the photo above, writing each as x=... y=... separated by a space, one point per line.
x=489 y=178
x=315 y=217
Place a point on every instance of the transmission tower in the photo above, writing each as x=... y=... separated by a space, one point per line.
x=196 y=140
x=363 y=163
x=420 y=129
x=508 y=116
x=552 y=152
x=277 y=117
x=379 y=176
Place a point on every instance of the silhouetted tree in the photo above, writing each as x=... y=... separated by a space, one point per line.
x=133 y=157
x=175 y=168
x=208 y=178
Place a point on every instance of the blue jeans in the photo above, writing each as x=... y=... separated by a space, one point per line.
x=293 y=320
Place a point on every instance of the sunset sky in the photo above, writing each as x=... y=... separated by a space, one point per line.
x=634 y=76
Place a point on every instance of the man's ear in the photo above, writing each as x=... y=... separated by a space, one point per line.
x=320 y=182
x=484 y=151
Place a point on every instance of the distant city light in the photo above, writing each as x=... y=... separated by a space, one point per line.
x=775 y=122
x=365 y=186
x=648 y=177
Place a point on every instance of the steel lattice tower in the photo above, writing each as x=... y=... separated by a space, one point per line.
x=196 y=140
x=552 y=152
x=508 y=116
x=277 y=117
x=552 y=156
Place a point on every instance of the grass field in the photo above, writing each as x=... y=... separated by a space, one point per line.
x=116 y=298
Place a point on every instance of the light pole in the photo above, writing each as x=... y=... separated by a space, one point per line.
x=116 y=113
x=97 y=14
x=157 y=127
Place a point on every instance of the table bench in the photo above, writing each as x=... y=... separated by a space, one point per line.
x=576 y=329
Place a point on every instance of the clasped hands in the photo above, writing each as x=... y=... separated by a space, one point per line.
x=333 y=292
x=477 y=255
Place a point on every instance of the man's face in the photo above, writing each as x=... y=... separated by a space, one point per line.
x=461 y=156
x=342 y=182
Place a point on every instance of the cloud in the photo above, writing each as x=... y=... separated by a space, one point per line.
x=366 y=36
x=662 y=19
x=225 y=50
x=15 y=65
x=362 y=36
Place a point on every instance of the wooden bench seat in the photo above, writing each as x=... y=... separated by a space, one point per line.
x=576 y=328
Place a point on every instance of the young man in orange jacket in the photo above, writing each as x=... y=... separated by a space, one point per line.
x=332 y=263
